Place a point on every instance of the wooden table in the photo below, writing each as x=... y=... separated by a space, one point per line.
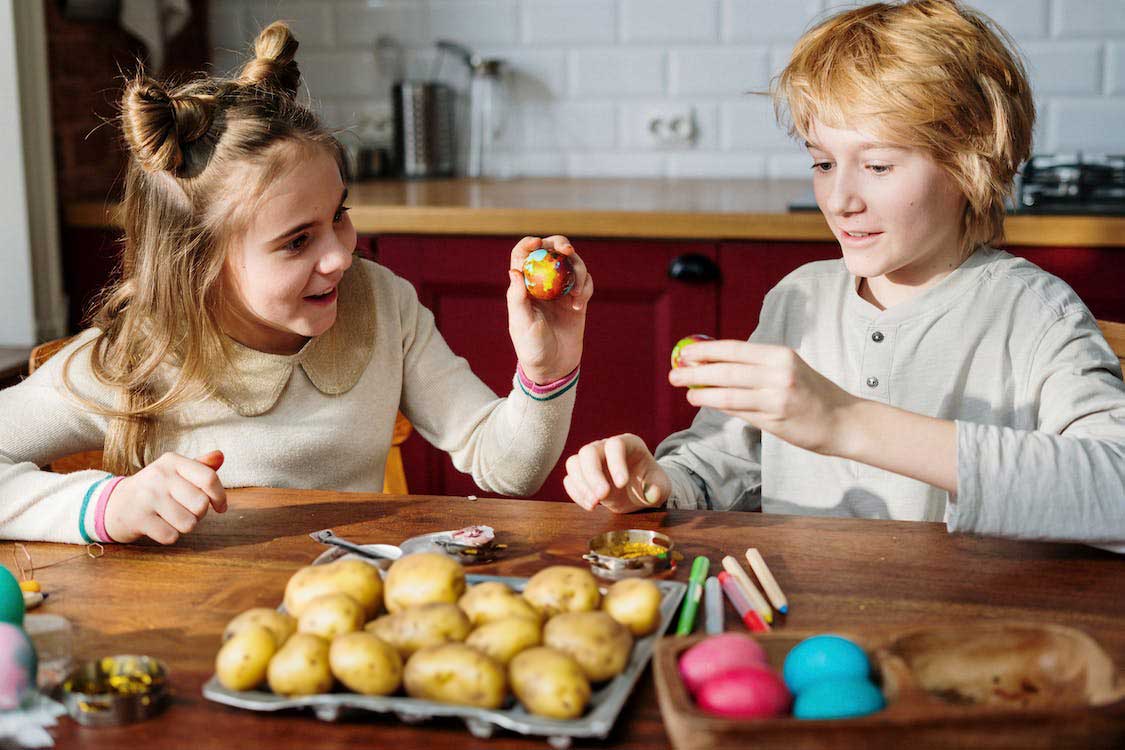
x=173 y=602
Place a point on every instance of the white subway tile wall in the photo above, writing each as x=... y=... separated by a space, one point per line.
x=586 y=78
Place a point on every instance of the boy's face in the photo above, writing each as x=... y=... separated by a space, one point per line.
x=895 y=212
x=281 y=274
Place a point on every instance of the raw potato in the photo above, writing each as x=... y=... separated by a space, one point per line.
x=504 y=639
x=562 y=588
x=365 y=663
x=422 y=578
x=280 y=624
x=418 y=627
x=549 y=683
x=600 y=644
x=300 y=667
x=357 y=579
x=456 y=673
x=635 y=603
x=331 y=615
x=242 y=661
x=492 y=601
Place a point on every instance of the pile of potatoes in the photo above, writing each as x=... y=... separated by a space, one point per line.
x=420 y=630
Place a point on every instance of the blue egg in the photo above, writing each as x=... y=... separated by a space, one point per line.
x=823 y=657
x=838 y=699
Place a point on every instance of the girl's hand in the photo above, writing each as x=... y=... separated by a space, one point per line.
x=619 y=473
x=165 y=499
x=547 y=335
x=770 y=387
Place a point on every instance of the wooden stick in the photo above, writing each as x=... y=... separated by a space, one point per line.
x=756 y=599
x=765 y=577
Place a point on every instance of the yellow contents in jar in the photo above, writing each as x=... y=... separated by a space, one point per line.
x=631 y=550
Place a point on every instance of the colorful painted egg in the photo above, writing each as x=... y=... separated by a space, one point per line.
x=11 y=598
x=548 y=274
x=838 y=699
x=676 y=361
x=18 y=666
x=749 y=692
x=824 y=657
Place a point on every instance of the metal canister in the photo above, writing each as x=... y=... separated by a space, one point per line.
x=425 y=140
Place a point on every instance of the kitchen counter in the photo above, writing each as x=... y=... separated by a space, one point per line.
x=708 y=209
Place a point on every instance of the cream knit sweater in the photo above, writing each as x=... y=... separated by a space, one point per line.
x=322 y=418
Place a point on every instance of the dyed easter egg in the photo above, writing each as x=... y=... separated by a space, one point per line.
x=11 y=598
x=548 y=274
x=18 y=666
x=750 y=692
x=676 y=361
x=838 y=699
x=717 y=654
x=824 y=657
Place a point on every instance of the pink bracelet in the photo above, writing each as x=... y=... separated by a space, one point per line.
x=99 y=510
x=535 y=388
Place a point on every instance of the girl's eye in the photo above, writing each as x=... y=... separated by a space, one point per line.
x=340 y=214
x=294 y=245
x=822 y=166
x=879 y=168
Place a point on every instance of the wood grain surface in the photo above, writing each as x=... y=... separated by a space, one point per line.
x=173 y=602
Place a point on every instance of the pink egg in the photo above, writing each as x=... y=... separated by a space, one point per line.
x=718 y=654
x=745 y=693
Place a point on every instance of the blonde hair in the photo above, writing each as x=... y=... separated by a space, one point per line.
x=926 y=74
x=186 y=196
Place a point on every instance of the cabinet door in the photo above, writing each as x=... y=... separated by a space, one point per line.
x=750 y=270
x=636 y=315
x=1097 y=274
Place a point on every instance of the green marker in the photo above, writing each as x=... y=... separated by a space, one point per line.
x=699 y=567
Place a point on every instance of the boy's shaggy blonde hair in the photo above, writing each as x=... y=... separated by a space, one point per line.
x=926 y=74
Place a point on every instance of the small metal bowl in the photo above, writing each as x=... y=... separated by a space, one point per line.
x=115 y=690
x=610 y=555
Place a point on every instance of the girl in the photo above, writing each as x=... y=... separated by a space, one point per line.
x=243 y=324
x=927 y=376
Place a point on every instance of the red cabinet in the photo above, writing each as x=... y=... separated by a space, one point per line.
x=637 y=314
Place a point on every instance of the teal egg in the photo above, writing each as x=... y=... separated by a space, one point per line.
x=19 y=666
x=838 y=698
x=11 y=598
x=823 y=657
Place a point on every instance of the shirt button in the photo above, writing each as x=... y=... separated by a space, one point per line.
x=877 y=336
x=873 y=382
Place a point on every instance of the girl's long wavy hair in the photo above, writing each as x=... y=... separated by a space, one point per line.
x=188 y=192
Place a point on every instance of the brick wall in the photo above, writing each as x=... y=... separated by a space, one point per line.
x=588 y=74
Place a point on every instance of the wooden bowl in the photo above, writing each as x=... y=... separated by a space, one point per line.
x=981 y=685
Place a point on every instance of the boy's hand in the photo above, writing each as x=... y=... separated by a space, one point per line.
x=770 y=387
x=547 y=335
x=619 y=473
x=165 y=499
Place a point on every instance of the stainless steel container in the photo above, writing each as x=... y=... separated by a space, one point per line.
x=424 y=131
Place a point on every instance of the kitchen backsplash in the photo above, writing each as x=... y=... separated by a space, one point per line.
x=587 y=78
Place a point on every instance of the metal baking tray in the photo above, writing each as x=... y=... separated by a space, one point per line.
x=605 y=702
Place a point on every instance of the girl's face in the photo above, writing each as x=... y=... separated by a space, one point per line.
x=281 y=275
x=895 y=212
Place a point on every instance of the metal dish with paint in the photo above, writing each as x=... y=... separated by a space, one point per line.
x=605 y=703
x=632 y=553
x=115 y=690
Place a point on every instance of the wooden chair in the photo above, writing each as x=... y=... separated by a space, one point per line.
x=394 y=476
x=1115 y=334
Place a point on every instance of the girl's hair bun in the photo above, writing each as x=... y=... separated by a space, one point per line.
x=158 y=125
x=273 y=65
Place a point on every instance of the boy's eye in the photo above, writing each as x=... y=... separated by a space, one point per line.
x=822 y=166
x=879 y=168
x=294 y=245
x=339 y=216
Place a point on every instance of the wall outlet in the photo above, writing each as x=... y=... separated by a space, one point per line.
x=669 y=127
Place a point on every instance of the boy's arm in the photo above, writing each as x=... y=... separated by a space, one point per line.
x=716 y=464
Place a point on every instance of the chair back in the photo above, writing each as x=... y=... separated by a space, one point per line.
x=1115 y=334
x=394 y=476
